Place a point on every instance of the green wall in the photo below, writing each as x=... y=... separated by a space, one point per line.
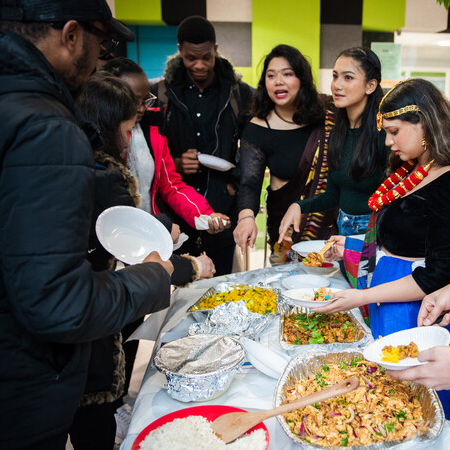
x=383 y=15
x=293 y=22
x=139 y=12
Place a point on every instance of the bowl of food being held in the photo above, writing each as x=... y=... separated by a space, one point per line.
x=310 y=297
x=399 y=350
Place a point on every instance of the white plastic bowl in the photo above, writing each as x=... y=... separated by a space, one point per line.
x=305 y=247
x=305 y=281
x=130 y=234
x=301 y=296
x=423 y=337
x=213 y=162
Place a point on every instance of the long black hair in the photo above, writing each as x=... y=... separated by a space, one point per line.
x=310 y=108
x=366 y=158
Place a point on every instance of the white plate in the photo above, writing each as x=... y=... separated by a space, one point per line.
x=130 y=234
x=305 y=247
x=424 y=337
x=181 y=240
x=265 y=360
x=305 y=281
x=213 y=162
x=301 y=296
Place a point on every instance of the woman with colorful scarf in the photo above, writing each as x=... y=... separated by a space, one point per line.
x=288 y=134
x=407 y=245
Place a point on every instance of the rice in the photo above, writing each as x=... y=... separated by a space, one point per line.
x=195 y=433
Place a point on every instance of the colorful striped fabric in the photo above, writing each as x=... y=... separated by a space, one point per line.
x=360 y=259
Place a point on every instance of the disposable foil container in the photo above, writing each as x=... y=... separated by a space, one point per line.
x=332 y=347
x=200 y=315
x=309 y=363
x=200 y=367
x=231 y=319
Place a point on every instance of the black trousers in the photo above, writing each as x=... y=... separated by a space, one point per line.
x=94 y=427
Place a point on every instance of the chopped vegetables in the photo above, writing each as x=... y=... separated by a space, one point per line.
x=258 y=300
x=319 y=328
x=356 y=419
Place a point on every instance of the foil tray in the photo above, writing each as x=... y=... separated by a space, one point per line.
x=200 y=315
x=332 y=347
x=201 y=367
x=308 y=364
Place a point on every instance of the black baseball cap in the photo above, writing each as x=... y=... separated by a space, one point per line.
x=63 y=11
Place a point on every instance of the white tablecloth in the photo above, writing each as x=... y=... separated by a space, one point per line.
x=250 y=390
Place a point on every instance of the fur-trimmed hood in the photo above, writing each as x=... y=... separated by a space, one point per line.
x=223 y=67
x=110 y=162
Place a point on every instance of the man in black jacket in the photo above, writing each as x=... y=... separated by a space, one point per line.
x=204 y=101
x=51 y=302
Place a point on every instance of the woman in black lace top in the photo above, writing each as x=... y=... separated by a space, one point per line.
x=286 y=134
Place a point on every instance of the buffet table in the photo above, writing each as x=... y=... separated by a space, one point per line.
x=251 y=389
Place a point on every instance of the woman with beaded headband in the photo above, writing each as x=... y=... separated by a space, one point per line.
x=357 y=156
x=411 y=213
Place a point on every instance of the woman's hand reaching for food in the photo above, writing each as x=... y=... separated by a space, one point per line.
x=336 y=251
x=206 y=266
x=246 y=231
x=346 y=300
x=291 y=217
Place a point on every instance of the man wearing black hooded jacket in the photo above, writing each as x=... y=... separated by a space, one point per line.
x=204 y=101
x=51 y=302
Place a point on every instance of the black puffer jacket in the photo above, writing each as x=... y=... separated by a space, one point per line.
x=51 y=302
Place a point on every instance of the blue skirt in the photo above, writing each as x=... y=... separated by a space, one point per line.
x=396 y=316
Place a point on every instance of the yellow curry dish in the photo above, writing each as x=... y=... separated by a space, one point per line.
x=395 y=354
x=257 y=300
x=381 y=409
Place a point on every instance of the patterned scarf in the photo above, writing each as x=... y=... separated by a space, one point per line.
x=360 y=259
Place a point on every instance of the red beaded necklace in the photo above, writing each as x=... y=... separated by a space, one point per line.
x=395 y=186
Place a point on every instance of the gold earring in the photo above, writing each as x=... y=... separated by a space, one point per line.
x=424 y=144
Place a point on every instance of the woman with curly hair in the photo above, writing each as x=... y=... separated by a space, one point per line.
x=288 y=134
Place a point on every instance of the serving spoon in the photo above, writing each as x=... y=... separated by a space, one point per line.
x=230 y=426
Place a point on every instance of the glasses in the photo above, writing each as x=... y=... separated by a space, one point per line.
x=107 y=45
x=148 y=101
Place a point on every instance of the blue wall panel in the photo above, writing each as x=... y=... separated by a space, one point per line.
x=151 y=48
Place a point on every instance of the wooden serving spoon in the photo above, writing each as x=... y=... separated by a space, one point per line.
x=230 y=426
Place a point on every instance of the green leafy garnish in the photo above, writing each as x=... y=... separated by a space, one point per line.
x=390 y=427
x=325 y=368
x=344 y=441
x=343 y=366
x=401 y=415
x=391 y=392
